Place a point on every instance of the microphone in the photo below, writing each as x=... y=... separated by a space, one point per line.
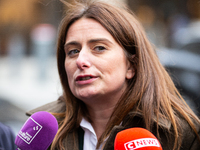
x=38 y=132
x=136 y=139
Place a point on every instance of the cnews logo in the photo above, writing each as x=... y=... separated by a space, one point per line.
x=140 y=143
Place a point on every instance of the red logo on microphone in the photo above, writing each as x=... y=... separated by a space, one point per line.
x=140 y=143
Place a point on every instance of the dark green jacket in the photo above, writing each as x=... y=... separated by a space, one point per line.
x=189 y=142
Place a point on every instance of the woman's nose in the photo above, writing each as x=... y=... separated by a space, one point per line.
x=83 y=59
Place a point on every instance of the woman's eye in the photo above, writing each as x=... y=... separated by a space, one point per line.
x=73 y=52
x=99 y=48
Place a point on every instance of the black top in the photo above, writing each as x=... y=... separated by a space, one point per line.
x=80 y=138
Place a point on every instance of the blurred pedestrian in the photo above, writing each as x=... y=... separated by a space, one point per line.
x=7 y=138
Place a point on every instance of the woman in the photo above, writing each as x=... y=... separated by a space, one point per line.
x=112 y=80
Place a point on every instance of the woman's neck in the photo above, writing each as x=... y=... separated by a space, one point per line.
x=100 y=119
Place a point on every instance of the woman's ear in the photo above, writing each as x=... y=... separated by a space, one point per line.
x=130 y=70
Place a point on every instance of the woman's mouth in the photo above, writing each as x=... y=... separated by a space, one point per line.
x=84 y=78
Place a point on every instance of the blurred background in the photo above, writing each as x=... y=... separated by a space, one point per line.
x=28 y=31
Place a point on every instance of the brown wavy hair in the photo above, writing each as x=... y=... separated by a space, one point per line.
x=150 y=92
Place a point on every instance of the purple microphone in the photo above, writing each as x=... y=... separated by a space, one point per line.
x=38 y=132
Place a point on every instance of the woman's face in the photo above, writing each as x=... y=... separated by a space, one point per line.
x=95 y=63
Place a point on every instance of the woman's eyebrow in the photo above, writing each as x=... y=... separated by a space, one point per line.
x=75 y=43
x=99 y=40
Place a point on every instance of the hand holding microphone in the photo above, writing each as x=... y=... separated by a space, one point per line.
x=38 y=132
x=136 y=139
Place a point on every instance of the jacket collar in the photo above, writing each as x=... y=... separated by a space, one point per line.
x=54 y=107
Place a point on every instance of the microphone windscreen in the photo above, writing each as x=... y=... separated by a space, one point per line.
x=136 y=139
x=38 y=132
